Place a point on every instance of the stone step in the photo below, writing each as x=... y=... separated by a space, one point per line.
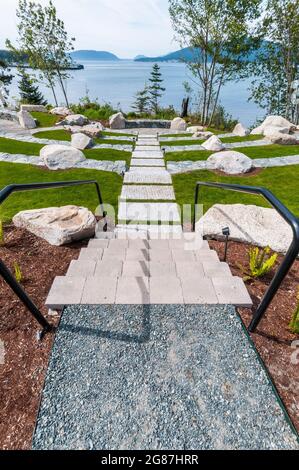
x=153 y=232
x=152 y=212
x=148 y=162
x=147 y=155
x=143 y=176
x=183 y=243
x=144 y=290
x=148 y=193
x=144 y=146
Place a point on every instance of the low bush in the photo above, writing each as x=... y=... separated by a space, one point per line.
x=261 y=262
x=94 y=110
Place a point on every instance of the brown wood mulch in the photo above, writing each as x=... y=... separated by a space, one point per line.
x=22 y=375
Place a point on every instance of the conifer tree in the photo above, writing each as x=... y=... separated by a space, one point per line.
x=29 y=92
x=141 y=103
x=156 y=89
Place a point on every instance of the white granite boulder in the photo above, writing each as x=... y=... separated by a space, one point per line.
x=178 y=124
x=117 y=121
x=60 y=111
x=58 y=225
x=241 y=130
x=269 y=131
x=194 y=129
x=214 y=144
x=273 y=121
x=31 y=108
x=230 y=162
x=74 y=120
x=247 y=223
x=26 y=120
x=81 y=141
x=284 y=139
x=202 y=135
x=61 y=157
x=93 y=130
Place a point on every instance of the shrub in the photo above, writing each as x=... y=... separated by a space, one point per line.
x=294 y=325
x=168 y=113
x=261 y=263
x=18 y=272
x=93 y=109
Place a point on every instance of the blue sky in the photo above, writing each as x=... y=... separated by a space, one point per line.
x=124 y=27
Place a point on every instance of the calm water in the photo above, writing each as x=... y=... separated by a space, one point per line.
x=117 y=82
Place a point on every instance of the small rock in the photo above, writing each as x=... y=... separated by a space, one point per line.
x=214 y=144
x=93 y=130
x=241 y=130
x=81 y=141
x=117 y=121
x=230 y=162
x=74 y=120
x=202 y=135
x=284 y=139
x=194 y=129
x=178 y=124
x=26 y=120
x=61 y=157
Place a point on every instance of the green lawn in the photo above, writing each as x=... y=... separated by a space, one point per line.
x=63 y=135
x=27 y=148
x=116 y=134
x=247 y=138
x=283 y=182
x=267 y=151
x=110 y=184
x=45 y=119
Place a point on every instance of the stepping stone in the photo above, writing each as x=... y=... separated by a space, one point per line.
x=109 y=268
x=145 y=143
x=91 y=254
x=81 y=268
x=96 y=243
x=132 y=291
x=147 y=155
x=165 y=290
x=65 y=291
x=152 y=232
x=99 y=291
x=232 y=291
x=148 y=193
x=139 y=211
x=147 y=148
x=216 y=269
x=143 y=176
x=149 y=162
x=198 y=290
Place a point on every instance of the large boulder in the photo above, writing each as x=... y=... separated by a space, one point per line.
x=26 y=120
x=284 y=139
x=61 y=157
x=178 y=124
x=31 y=108
x=214 y=144
x=93 y=130
x=61 y=111
x=74 y=120
x=58 y=225
x=81 y=141
x=241 y=130
x=247 y=223
x=269 y=131
x=273 y=121
x=194 y=129
x=117 y=121
x=230 y=162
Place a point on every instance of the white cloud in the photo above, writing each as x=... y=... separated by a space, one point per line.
x=124 y=27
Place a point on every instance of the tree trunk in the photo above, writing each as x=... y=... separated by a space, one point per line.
x=185 y=107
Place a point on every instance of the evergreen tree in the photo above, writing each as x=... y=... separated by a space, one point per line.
x=141 y=100
x=5 y=80
x=29 y=92
x=156 y=89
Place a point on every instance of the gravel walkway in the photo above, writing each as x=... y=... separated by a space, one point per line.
x=157 y=378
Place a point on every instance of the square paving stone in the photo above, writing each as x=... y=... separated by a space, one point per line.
x=109 y=268
x=99 y=291
x=198 y=290
x=162 y=256
x=158 y=269
x=136 y=269
x=137 y=255
x=206 y=255
x=183 y=255
x=132 y=291
x=139 y=244
x=165 y=290
x=92 y=254
x=81 y=268
x=232 y=291
x=97 y=243
x=148 y=193
x=139 y=212
x=191 y=269
x=216 y=269
x=65 y=291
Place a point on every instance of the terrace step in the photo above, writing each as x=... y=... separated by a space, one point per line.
x=157 y=162
x=147 y=175
x=151 y=212
x=148 y=192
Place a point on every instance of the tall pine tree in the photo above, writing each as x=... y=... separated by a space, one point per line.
x=141 y=104
x=156 y=89
x=29 y=92
x=5 y=81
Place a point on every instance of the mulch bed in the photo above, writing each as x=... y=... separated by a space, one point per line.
x=26 y=359
x=273 y=338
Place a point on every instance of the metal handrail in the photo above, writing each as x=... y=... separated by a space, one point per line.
x=292 y=252
x=5 y=272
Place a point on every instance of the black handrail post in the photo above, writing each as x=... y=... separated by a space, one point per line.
x=291 y=255
x=18 y=290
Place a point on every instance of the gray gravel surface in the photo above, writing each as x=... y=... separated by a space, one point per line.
x=158 y=377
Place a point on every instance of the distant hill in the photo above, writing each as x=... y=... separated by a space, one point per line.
x=184 y=54
x=93 y=55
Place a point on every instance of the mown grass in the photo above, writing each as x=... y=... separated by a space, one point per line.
x=66 y=136
x=267 y=151
x=27 y=148
x=282 y=181
x=45 y=119
x=12 y=173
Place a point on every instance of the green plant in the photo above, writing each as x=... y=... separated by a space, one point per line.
x=93 y=109
x=260 y=263
x=18 y=272
x=1 y=233
x=294 y=325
